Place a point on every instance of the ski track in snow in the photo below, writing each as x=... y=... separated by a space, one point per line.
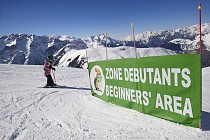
x=31 y=113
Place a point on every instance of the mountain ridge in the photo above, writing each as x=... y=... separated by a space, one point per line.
x=70 y=51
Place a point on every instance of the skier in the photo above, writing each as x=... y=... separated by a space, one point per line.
x=47 y=71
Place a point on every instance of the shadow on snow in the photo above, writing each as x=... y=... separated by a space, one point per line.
x=67 y=87
x=205 y=121
x=79 y=88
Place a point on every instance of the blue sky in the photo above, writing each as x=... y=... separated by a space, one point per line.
x=84 y=18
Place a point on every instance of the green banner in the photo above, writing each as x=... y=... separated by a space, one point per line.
x=167 y=87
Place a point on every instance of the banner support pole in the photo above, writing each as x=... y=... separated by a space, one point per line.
x=86 y=55
x=132 y=25
x=201 y=50
x=106 y=45
x=199 y=9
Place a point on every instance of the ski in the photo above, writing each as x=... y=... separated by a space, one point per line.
x=56 y=86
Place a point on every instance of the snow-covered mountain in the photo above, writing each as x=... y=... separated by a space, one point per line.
x=100 y=41
x=32 y=49
x=188 y=37
x=71 y=52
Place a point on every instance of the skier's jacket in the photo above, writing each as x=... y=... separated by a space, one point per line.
x=47 y=68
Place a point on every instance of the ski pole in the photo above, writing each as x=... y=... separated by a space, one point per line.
x=54 y=76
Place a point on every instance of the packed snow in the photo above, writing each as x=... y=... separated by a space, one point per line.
x=30 y=112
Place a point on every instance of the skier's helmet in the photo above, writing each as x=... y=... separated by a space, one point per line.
x=50 y=58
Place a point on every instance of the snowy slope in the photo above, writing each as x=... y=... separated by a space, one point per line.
x=98 y=54
x=28 y=112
